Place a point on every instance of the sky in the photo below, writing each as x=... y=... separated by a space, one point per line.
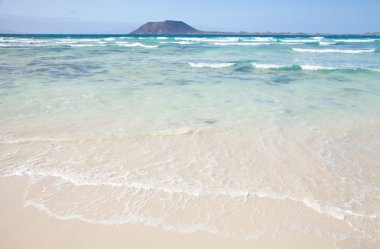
x=122 y=16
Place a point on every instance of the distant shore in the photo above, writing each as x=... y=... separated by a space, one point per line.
x=200 y=34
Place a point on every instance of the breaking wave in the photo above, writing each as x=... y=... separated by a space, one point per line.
x=211 y=65
x=135 y=44
x=307 y=67
x=340 y=51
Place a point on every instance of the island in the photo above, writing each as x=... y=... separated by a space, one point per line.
x=170 y=27
x=166 y=27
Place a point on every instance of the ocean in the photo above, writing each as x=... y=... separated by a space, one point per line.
x=242 y=136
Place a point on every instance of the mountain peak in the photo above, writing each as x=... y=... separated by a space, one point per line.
x=166 y=27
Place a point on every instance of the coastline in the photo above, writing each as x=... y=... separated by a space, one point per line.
x=26 y=227
x=228 y=145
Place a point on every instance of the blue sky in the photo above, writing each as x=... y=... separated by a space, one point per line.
x=86 y=16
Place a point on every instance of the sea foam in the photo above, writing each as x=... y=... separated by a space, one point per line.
x=316 y=67
x=184 y=42
x=299 y=40
x=211 y=65
x=292 y=67
x=135 y=44
x=241 y=43
x=326 y=43
x=268 y=66
x=201 y=39
x=85 y=45
x=341 y=51
x=264 y=39
x=355 y=40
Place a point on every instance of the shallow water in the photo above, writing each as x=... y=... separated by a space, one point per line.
x=238 y=136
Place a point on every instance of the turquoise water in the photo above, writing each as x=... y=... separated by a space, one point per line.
x=191 y=80
x=292 y=118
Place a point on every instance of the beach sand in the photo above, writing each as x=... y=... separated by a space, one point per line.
x=27 y=227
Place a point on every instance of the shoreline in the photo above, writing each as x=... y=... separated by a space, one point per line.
x=244 y=142
x=26 y=227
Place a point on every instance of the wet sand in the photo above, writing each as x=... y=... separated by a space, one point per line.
x=26 y=227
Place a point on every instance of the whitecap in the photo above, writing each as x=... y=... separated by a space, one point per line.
x=85 y=45
x=316 y=67
x=88 y=40
x=354 y=40
x=185 y=42
x=135 y=44
x=291 y=44
x=201 y=39
x=65 y=42
x=318 y=38
x=295 y=67
x=325 y=43
x=267 y=66
x=241 y=43
x=25 y=40
x=298 y=40
x=9 y=45
x=211 y=65
x=342 y=51
x=264 y=39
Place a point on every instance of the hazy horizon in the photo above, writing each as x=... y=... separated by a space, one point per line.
x=118 y=17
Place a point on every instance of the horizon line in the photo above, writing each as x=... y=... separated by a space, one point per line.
x=238 y=33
